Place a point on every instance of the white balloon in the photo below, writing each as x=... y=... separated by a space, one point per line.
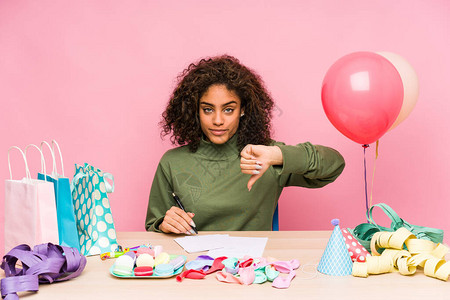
x=410 y=85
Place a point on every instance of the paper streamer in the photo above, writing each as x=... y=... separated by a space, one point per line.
x=401 y=251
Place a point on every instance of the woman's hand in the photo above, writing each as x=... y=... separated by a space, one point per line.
x=177 y=221
x=256 y=159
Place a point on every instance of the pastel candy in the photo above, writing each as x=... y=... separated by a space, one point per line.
x=162 y=258
x=164 y=270
x=131 y=254
x=143 y=271
x=178 y=262
x=124 y=265
x=145 y=260
x=146 y=250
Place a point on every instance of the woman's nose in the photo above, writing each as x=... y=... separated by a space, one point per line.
x=218 y=119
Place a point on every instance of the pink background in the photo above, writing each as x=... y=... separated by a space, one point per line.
x=96 y=75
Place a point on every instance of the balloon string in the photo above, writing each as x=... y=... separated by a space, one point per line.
x=365 y=178
x=373 y=174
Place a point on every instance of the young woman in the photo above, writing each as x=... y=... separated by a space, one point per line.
x=228 y=172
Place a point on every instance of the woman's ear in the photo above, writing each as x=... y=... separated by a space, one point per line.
x=242 y=113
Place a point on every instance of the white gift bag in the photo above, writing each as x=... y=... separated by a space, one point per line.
x=30 y=208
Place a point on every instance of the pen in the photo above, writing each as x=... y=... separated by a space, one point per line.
x=178 y=201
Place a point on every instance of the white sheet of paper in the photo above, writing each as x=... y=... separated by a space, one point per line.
x=240 y=247
x=224 y=245
x=200 y=243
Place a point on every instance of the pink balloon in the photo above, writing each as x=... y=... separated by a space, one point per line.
x=362 y=94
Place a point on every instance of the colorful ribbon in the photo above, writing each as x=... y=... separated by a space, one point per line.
x=403 y=252
x=46 y=263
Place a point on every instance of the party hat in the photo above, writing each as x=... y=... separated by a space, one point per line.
x=356 y=251
x=335 y=259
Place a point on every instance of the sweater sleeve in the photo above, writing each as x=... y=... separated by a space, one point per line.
x=308 y=165
x=159 y=200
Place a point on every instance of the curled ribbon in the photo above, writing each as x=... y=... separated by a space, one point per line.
x=401 y=251
x=45 y=263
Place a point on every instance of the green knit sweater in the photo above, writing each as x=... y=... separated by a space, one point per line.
x=210 y=184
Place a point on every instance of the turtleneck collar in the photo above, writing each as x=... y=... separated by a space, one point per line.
x=219 y=151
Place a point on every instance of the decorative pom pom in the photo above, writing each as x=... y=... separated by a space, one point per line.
x=335 y=222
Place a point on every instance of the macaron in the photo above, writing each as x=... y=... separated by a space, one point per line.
x=143 y=250
x=131 y=254
x=124 y=265
x=146 y=260
x=164 y=270
x=178 y=261
x=143 y=271
x=162 y=258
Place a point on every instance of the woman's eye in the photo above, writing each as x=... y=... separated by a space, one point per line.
x=229 y=110
x=207 y=110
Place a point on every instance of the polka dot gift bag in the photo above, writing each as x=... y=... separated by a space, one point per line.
x=95 y=224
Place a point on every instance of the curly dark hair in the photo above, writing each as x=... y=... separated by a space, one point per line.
x=181 y=116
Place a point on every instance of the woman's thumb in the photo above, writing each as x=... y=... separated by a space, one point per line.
x=251 y=181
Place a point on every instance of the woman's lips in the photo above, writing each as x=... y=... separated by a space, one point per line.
x=217 y=132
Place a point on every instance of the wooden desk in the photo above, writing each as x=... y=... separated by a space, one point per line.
x=96 y=283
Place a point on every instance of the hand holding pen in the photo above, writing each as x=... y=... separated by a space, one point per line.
x=177 y=220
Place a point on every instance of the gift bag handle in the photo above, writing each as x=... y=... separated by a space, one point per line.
x=109 y=187
x=54 y=143
x=43 y=168
x=76 y=179
x=27 y=171
x=54 y=173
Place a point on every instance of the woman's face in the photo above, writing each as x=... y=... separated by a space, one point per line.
x=220 y=110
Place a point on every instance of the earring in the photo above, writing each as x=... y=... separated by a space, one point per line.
x=242 y=114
